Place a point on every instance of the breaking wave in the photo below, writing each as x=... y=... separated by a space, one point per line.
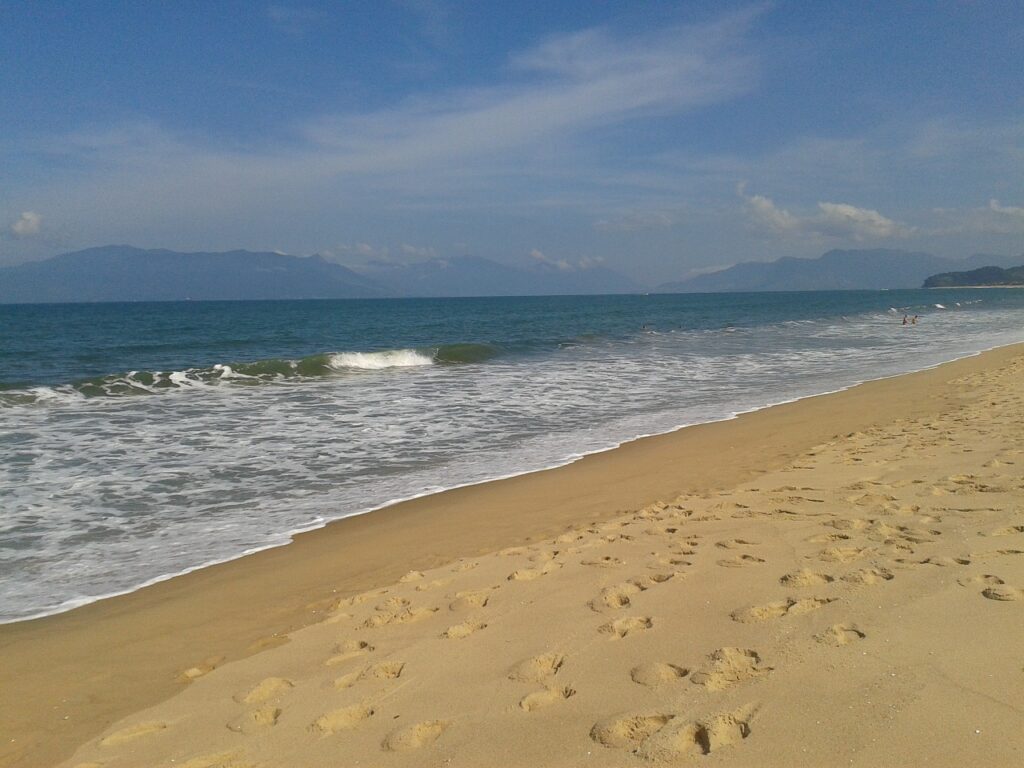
x=318 y=366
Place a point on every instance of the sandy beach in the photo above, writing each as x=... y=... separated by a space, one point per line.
x=836 y=581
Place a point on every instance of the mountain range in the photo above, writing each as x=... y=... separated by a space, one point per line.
x=833 y=271
x=124 y=273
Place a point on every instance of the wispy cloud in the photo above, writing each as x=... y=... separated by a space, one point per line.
x=27 y=224
x=555 y=91
x=539 y=257
x=833 y=220
x=1013 y=211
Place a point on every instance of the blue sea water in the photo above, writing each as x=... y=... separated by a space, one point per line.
x=138 y=441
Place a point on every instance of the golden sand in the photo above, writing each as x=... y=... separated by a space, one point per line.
x=837 y=581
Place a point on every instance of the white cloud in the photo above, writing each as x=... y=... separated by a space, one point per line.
x=845 y=220
x=833 y=220
x=28 y=224
x=1006 y=210
x=418 y=251
x=560 y=264
x=764 y=212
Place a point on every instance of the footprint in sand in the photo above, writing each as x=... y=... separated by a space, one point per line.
x=465 y=629
x=655 y=674
x=350 y=649
x=621 y=628
x=780 y=608
x=840 y=634
x=344 y=719
x=265 y=690
x=544 y=556
x=465 y=601
x=735 y=543
x=603 y=562
x=618 y=595
x=674 y=561
x=132 y=732
x=985 y=578
x=740 y=561
x=537 y=669
x=841 y=554
x=682 y=739
x=256 y=720
x=940 y=562
x=347 y=681
x=628 y=731
x=547 y=697
x=406 y=615
x=868 y=576
x=203 y=668
x=651 y=579
x=805 y=578
x=415 y=736
x=728 y=666
x=385 y=670
x=1003 y=593
x=529 y=574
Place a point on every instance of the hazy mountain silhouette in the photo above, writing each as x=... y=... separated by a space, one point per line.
x=834 y=270
x=124 y=273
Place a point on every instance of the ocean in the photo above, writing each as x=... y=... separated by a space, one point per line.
x=143 y=440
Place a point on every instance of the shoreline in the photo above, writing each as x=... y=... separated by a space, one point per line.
x=116 y=656
x=289 y=536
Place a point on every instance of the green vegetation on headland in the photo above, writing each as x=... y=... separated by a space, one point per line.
x=977 y=277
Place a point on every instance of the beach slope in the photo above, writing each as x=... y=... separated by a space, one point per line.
x=838 y=581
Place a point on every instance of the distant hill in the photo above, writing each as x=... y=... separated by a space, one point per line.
x=834 y=270
x=476 y=276
x=983 y=276
x=124 y=273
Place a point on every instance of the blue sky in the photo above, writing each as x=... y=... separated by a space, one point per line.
x=658 y=138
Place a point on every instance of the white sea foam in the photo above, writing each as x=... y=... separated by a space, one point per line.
x=375 y=361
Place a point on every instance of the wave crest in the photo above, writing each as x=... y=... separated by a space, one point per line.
x=246 y=373
x=375 y=361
